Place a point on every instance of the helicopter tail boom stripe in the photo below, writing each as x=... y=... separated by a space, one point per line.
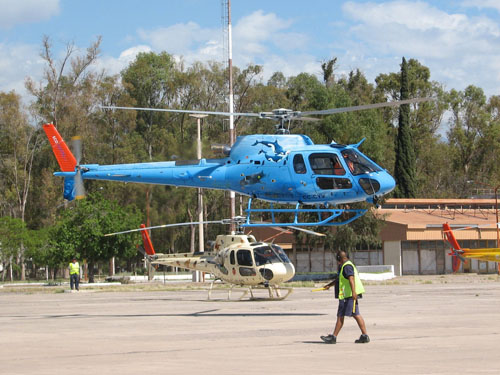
x=148 y=245
x=64 y=157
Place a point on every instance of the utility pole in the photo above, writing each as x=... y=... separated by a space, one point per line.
x=197 y=275
x=232 y=135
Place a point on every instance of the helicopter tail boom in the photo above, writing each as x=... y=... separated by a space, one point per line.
x=196 y=173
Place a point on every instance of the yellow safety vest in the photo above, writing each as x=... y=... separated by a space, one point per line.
x=344 y=285
x=74 y=268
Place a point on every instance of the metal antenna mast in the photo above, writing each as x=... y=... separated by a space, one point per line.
x=226 y=5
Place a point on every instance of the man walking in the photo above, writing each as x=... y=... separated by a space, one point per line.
x=348 y=289
x=74 y=274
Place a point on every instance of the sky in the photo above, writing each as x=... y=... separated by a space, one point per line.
x=459 y=41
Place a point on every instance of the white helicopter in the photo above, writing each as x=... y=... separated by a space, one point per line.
x=236 y=258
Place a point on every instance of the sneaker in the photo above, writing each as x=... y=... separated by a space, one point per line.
x=330 y=339
x=363 y=339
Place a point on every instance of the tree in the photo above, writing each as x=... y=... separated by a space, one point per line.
x=40 y=252
x=328 y=67
x=404 y=172
x=363 y=232
x=305 y=92
x=472 y=138
x=52 y=98
x=12 y=235
x=20 y=142
x=277 y=80
x=80 y=231
x=425 y=120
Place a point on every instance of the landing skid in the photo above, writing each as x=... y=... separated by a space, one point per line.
x=274 y=292
x=332 y=213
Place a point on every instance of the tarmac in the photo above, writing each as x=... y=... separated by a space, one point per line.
x=418 y=325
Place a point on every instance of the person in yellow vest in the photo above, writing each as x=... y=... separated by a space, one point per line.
x=74 y=274
x=348 y=289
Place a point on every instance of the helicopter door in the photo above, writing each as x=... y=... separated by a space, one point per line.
x=328 y=172
x=245 y=261
x=301 y=175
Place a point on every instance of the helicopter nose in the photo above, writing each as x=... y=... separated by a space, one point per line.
x=381 y=184
x=280 y=272
x=377 y=185
x=387 y=183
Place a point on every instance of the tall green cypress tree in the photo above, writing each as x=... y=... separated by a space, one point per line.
x=405 y=170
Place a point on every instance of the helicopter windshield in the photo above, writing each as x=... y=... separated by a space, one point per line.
x=264 y=255
x=281 y=253
x=357 y=163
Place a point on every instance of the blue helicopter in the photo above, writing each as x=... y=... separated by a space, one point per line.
x=279 y=168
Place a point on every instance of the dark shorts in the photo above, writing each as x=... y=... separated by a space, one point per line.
x=345 y=307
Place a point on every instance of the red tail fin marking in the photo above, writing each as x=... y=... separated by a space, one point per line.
x=455 y=260
x=449 y=235
x=148 y=245
x=64 y=157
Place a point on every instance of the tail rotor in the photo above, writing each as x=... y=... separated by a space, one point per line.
x=77 y=151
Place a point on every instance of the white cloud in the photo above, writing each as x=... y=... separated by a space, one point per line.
x=179 y=38
x=112 y=65
x=458 y=49
x=258 y=38
x=412 y=15
x=482 y=4
x=259 y=27
x=16 y=63
x=15 y=12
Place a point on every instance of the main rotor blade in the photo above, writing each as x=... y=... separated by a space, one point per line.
x=167 y=226
x=306 y=118
x=308 y=231
x=283 y=230
x=466 y=227
x=366 y=106
x=184 y=111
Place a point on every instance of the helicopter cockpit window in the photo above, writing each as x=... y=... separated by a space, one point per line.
x=328 y=164
x=298 y=164
x=281 y=253
x=264 y=255
x=231 y=257
x=330 y=183
x=357 y=163
x=244 y=258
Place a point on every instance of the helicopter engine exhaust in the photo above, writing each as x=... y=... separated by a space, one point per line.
x=221 y=149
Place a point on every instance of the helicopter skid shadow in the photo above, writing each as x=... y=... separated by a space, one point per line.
x=207 y=313
x=312 y=342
